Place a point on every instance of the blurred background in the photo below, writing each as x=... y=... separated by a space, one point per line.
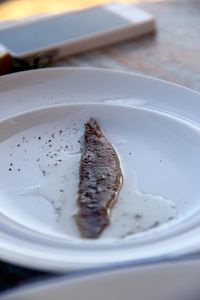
x=15 y=9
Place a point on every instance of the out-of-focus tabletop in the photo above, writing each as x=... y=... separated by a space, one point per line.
x=172 y=54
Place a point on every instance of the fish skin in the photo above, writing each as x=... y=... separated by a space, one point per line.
x=100 y=182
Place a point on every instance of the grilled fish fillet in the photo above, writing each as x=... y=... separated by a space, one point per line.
x=100 y=182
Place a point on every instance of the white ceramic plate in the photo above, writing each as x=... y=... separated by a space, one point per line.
x=178 y=281
x=153 y=125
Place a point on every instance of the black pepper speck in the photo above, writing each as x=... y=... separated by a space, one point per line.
x=137 y=216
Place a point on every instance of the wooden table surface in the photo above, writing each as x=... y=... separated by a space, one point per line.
x=171 y=54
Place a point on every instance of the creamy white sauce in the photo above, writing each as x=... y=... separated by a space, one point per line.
x=133 y=213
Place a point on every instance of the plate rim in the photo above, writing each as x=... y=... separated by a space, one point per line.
x=95 y=69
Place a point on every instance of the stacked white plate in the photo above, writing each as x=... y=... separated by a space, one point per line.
x=155 y=128
x=177 y=280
